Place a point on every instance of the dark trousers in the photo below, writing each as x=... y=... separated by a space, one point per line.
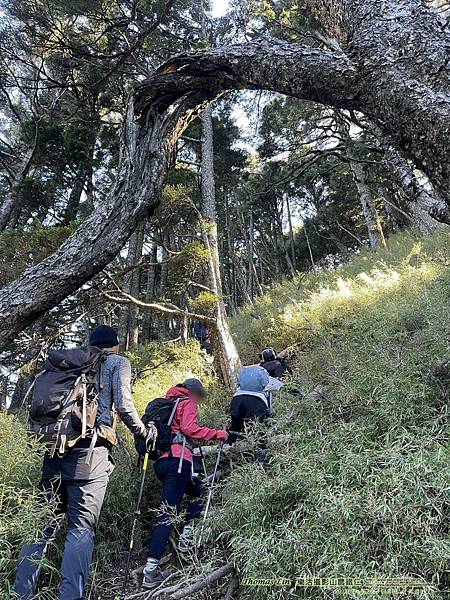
x=175 y=486
x=79 y=490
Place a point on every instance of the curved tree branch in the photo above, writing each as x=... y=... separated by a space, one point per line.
x=157 y=114
x=164 y=309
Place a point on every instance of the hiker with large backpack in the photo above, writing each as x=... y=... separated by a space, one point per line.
x=176 y=419
x=74 y=404
x=252 y=402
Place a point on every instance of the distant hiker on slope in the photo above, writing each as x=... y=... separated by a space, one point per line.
x=275 y=366
x=77 y=468
x=174 y=469
x=252 y=401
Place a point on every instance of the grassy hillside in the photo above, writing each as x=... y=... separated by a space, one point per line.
x=361 y=487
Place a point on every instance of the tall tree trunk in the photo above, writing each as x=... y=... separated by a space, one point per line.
x=231 y=256
x=150 y=289
x=12 y=206
x=281 y=241
x=184 y=324
x=409 y=98
x=253 y=284
x=73 y=202
x=224 y=347
x=311 y=255
x=162 y=323
x=128 y=319
x=389 y=207
x=82 y=182
x=369 y=210
x=370 y=213
x=255 y=278
x=22 y=386
x=3 y=394
x=291 y=233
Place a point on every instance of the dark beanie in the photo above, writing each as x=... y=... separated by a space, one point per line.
x=194 y=385
x=103 y=336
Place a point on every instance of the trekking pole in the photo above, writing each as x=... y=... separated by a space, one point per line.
x=213 y=477
x=202 y=456
x=137 y=514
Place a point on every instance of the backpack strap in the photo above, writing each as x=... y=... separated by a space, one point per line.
x=30 y=389
x=174 y=409
x=99 y=366
x=179 y=437
x=84 y=407
x=180 y=462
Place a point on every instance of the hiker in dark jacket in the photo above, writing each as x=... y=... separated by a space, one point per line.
x=275 y=366
x=174 y=469
x=251 y=402
x=78 y=479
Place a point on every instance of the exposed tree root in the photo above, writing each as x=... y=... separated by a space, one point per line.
x=186 y=589
x=232 y=587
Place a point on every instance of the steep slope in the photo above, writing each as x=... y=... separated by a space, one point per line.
x=362 y=487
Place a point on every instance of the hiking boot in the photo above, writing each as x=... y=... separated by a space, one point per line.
x=185 y=541
x=153 y=574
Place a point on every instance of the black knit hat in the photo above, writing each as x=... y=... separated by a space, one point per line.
x=103 y=336
x=195 y=385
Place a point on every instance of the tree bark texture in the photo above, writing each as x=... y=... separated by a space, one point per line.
x=400 y=50
x=393 y=69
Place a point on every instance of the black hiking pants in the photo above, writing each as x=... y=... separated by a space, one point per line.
x=78 y=489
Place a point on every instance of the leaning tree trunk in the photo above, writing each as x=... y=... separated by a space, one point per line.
x=401 y=50
x=224 y=348
x=369 y=209
x=394 y=71
x=428 y=212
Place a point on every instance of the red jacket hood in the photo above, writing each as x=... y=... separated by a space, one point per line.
x=177 y=392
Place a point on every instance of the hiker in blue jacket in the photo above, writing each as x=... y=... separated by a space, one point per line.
x=252 y=401
x=78 y=479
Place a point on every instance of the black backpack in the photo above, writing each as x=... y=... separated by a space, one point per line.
x=65 y=397
x=161 y=412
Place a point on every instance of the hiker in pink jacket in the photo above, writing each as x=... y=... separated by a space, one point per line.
x=174 y=469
